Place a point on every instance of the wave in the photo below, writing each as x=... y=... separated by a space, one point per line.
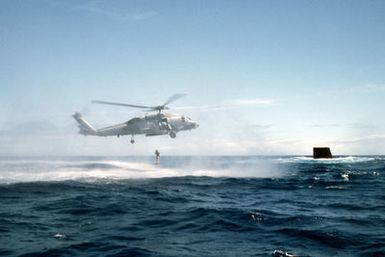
x=334 y=239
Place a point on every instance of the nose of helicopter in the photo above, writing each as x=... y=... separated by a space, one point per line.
x=195 y=124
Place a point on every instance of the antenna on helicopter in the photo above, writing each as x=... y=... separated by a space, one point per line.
x=158 y=108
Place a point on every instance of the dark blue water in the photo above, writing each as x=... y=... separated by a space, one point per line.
x=192 y=206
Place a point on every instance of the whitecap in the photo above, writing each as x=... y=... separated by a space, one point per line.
x=335 y=160
x=60 y=236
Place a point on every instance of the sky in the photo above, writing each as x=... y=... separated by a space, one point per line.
x=294 y=74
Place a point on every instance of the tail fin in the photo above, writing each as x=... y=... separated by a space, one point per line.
x=84 y=126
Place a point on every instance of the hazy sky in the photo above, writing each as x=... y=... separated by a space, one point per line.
x=308 y=73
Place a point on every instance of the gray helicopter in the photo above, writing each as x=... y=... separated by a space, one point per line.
x=152 y=124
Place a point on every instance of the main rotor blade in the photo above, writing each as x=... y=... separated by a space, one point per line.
x=121 y=104
x=173 y=98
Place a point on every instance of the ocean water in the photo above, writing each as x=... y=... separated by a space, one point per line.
x=192 y=206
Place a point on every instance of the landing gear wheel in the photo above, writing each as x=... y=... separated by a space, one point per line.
x=132 y=140
x=172 y=134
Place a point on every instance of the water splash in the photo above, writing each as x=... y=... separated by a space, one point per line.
x=32 y=170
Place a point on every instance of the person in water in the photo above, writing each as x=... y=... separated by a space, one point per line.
x=157 y=156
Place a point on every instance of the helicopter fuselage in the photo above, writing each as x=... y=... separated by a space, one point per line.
x=152 y=124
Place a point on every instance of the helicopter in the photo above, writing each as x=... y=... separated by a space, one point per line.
x=155 y=123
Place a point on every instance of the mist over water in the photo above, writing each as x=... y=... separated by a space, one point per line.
x=192 y=206
x=14 y=170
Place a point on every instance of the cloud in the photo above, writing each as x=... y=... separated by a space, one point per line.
x=326 y=125
x=31 y=128
x=354 y=89
x=349 y=125
x=363 y=145
x=143 y=15
x=261 y=126
x=375 y=88
x=230 y=104
x=256 y=101
x=364 y=139
x=370 y=88
x=361 y=126
x=104 y=8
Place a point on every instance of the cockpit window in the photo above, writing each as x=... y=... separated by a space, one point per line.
x=183 y=119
